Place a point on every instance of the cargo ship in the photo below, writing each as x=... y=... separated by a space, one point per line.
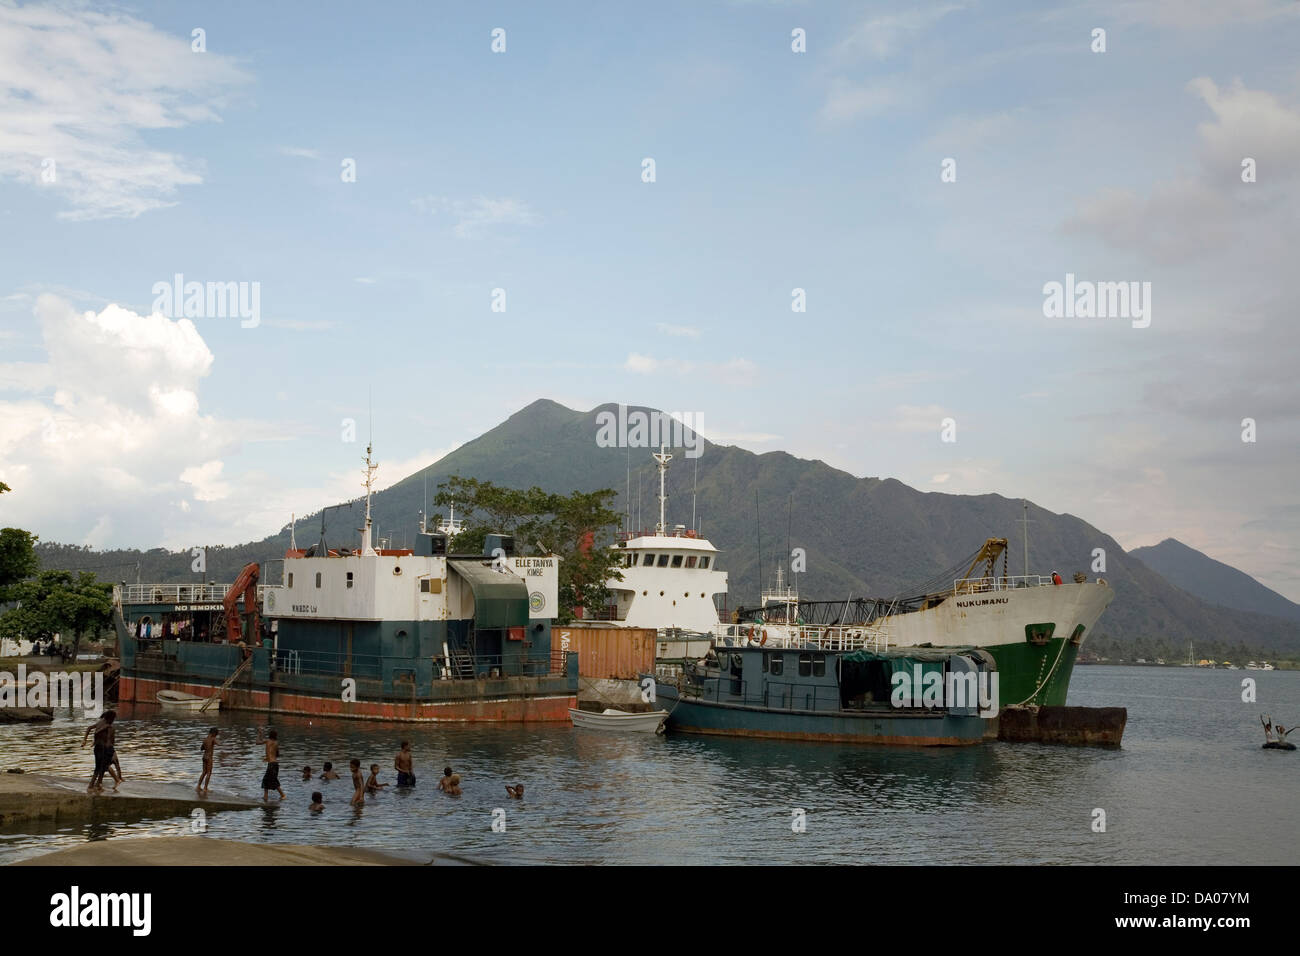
x=1032 y=625
x=416 y=634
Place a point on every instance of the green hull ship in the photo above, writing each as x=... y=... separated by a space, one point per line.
x=1032 y=625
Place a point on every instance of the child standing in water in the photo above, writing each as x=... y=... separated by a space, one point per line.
x=358 y=784
x=271 y=779
x=209 y=748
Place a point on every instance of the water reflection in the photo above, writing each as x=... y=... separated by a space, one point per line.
x=1190 y=786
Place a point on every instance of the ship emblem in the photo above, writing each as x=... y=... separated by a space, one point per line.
x=536 y=601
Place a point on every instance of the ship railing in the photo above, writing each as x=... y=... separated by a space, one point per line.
x=1001 y=583
x=482 y=666
x=844 y=637
x=773 y=695
x=178 y=593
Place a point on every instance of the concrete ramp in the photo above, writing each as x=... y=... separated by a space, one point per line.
x=37 y=796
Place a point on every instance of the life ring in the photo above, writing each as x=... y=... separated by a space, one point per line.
x=763 y=640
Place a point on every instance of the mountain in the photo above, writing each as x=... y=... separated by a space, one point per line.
x=863 y=537
x=1213 y=581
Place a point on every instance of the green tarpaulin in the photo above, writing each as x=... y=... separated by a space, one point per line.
x=500 y=599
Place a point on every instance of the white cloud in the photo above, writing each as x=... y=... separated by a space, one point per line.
x=846 y=100
x=880 y=36
x=79 y=88
x=678 y=331
x=299 y=152
x=474 y=217
x=206 y=481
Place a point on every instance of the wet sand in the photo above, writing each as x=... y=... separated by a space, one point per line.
x=207 y=851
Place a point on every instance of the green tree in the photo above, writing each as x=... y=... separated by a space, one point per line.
x=57 y=602
x=577 y=528
x=17 y=559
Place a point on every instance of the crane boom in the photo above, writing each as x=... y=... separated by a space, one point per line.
x=245 y=586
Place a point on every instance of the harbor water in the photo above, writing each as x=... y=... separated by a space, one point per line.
x=1190 y=785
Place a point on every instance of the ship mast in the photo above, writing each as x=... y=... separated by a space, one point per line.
x=366 y=547
x=663 y=458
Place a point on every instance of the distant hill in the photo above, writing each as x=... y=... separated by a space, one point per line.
x=864 y=537
x=1213 y=581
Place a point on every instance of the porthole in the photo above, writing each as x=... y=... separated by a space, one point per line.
x=397 y=569
x=661 y=593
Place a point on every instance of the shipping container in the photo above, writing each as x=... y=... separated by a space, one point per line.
x=608 y=653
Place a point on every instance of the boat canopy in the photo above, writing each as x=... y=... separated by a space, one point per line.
x=907 y=656
x=500 y=600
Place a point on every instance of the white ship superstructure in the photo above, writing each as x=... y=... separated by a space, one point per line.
x=670 y=575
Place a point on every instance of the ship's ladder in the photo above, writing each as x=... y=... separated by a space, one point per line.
x=226 y=686
x=462 y=664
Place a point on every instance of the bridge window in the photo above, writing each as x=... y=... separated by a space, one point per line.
x=663 y=561
x=677 y=560
x=704 y=562
x=819 y=665
x=349 y=579
x=290 y=579
x=692 y=561
x=424 y=585
x=777 y=663
x=317 y=579
x=805 y=665
x=649 y=560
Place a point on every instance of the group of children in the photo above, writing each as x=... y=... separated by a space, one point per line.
x=106 y=763
x=361 y=786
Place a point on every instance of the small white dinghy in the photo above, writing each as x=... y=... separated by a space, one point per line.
x=648 y=722
x=177 y=701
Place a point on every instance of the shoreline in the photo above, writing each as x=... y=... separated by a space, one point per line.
x=198 y=850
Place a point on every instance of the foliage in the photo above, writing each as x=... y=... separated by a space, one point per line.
x=57 y=602
x=17 y=559
x=576 y=528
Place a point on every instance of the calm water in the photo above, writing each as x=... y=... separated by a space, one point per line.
x=1191 y=785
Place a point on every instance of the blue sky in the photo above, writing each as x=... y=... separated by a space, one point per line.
x=774 y=170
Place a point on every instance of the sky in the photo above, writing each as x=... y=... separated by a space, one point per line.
x=369 y=175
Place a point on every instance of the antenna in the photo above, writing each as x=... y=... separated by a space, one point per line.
x=758 y=528
x=695 y=482
x=371 y=467
x=789 y=525
x=663 y=458
x=293 y=543
x=1024 y=523
x=627 y=500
